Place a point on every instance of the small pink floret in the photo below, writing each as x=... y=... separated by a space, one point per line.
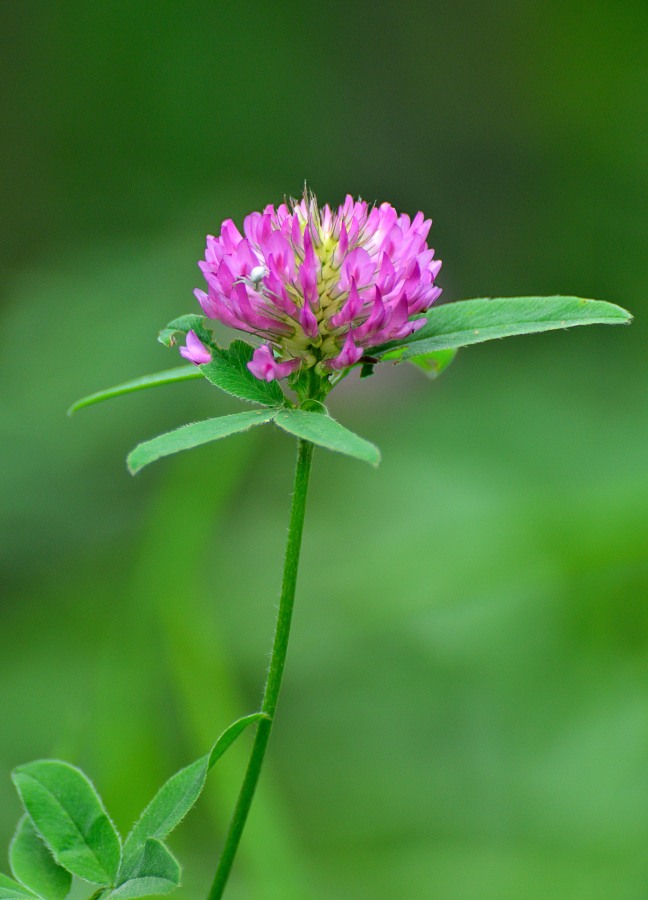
x=265 y=367
x=348 y=357
x=195 y=351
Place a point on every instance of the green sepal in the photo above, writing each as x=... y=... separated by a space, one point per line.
x=170 y=376
x=155 y=871
x=194 y=435
x=69 y=815
x=34 y=866
x=182 y=325
x=475 y=321
x=326 y=432
x=228 y=370
x=177 y=797
x=308 y=383
x=11 y=890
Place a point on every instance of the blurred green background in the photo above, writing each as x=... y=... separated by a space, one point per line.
x=465 y=713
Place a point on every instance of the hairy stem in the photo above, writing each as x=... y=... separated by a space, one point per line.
x=275 y=672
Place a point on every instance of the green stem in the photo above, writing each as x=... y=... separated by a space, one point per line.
x=275 y=672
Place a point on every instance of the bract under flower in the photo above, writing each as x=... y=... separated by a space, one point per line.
x=320 y=288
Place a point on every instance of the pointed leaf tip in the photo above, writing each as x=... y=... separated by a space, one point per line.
x=227 y=738
x=170 y=376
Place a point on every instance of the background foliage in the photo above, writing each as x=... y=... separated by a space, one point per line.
x=465 y=707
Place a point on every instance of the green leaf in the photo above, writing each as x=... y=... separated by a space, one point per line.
x=194 y=435
x=165 y=811
x=326 y=432
x=181 y=373
x=34 y=866
x=175 y=798
x=474 y=321
x=184 y=324
x=70 y=817
x=156 y=871
x=228 y=370
x=11 y=890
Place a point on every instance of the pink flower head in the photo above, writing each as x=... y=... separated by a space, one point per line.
x=195 y=351
x=319 y=287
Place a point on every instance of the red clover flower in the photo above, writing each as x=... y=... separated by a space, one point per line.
x=320 y=288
